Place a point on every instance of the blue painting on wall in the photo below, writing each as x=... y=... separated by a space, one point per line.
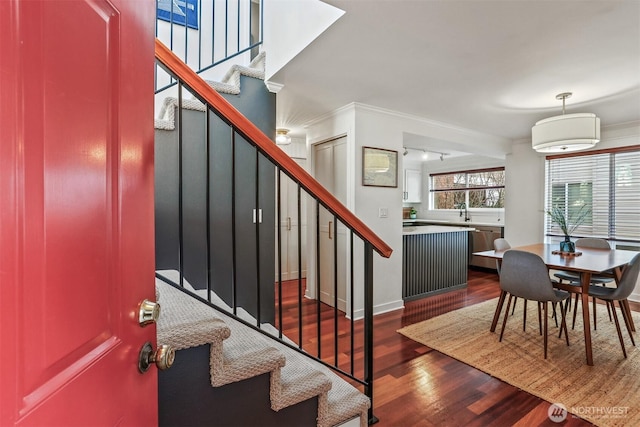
x=184 y=12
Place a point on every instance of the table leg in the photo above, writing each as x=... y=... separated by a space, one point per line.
x=496 y=315
x=585 y=281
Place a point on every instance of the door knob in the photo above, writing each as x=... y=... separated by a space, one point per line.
x=163 y=357
x=148 y=312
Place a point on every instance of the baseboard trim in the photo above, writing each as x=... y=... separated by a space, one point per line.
x=381 y=308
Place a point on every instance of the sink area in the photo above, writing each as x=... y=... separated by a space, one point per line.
x=472 y=223
x=434 y=229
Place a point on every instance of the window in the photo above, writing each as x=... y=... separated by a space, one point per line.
x=608 y=183
x=481 y=188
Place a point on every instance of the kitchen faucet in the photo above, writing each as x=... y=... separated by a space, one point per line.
x=467 y=218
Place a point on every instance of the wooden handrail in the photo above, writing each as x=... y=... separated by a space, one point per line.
x=251 y=132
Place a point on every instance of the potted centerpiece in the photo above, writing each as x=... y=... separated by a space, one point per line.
x=568 y=224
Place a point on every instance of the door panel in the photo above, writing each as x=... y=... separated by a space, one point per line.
x=289 y=226
x=330 y=171
x=77 y=181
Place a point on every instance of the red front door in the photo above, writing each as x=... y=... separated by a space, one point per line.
x=76 y=211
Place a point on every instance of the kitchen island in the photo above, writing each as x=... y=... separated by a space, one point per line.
x=435 y=259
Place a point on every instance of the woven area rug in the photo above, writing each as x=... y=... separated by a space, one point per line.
x=606 y=394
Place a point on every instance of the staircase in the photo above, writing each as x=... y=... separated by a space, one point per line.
x=234 y=365
x=230 y=84
x=231 y=353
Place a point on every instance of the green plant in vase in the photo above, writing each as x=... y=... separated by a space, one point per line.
x=412 y=213
x=568 y=224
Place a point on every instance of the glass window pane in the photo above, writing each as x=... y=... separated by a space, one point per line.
x=490 y=198
x=448 y=199
x=464 y=185
x=486 y=179
x=449 y=181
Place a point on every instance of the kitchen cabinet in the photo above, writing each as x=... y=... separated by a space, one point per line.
x=482 y=240
x=412 y=188
x=434 y=260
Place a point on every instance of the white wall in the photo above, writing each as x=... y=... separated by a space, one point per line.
x=289 y=27
x=297 y=149
x=524 y=197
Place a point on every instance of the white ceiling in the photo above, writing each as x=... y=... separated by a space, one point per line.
x=489 y=66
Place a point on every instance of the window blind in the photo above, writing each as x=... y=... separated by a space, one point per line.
x=608 y=183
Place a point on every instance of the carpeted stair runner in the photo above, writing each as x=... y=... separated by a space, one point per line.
x=230 y=84
x=238 y=353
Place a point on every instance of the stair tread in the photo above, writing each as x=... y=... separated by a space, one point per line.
x=344 y=400
x=230 y=84
x=189 y=323
x=247 y=353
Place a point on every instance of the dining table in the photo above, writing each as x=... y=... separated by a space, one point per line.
x=585 y=262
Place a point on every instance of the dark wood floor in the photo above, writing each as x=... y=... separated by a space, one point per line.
x=413 y=384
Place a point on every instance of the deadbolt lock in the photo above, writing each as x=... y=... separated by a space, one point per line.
x=163 y=357
x=148 y=312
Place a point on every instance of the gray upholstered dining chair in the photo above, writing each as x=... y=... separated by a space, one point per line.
x=625 y=287
x=500 y=245
x=593 y=243
x=525 y=275
x=596 y=279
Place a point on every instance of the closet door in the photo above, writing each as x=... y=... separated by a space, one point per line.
x=290 y=225
x=330 y=170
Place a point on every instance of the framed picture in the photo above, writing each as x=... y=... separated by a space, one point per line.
x=379 y=167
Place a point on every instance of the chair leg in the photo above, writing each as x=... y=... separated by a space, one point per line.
x=539 y=317
x=496 y=315
x=513 y=310
x=546 y=320
x=524 y=315
x=555 y=316
x=564 y=315
x=563 y=324
x=504 y=321
x=595 y=325
x=615 y=318
x=628 y=310
x=627 y=323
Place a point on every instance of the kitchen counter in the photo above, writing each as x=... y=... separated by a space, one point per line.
x=434 y=259
x=434 y=229
x=409 y=222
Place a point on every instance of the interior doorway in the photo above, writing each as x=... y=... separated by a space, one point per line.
x=330 y=169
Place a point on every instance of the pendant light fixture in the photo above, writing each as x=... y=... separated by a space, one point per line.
x=568 y=132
